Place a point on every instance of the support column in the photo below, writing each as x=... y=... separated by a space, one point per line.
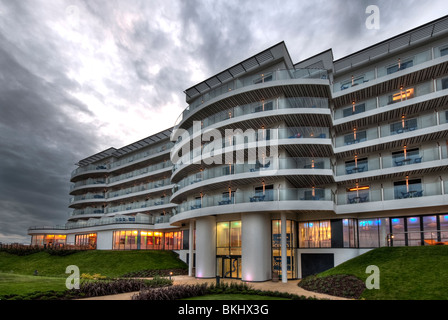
x=191 y=249
x=206 y=247
x=283 y=249
x=256 y=247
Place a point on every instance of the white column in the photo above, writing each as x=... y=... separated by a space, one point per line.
x=256 y=247
x=191 y=249
x=283 y=248
x=206 y=247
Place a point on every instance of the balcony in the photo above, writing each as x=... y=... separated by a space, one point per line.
x=310 y=199
x=394 y=66
x=298 y=170
x=259 y=81
x=422 y=159
x=414 y=195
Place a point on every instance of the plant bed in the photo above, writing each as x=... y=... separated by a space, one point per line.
x=96 y=288
x=178 y=292
x=154 y=273
x=340 y=285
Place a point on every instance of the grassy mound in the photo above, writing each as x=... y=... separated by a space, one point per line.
x=405 y=273
x=107 y=263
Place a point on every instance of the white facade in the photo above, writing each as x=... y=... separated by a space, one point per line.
x=310 y=164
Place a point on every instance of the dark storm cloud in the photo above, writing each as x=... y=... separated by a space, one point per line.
x=60 y=83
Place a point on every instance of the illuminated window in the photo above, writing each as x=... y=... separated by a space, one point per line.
x=86 y=240
x=228 y=238
x=291 y=245
x=315 y=234
x=350 y=235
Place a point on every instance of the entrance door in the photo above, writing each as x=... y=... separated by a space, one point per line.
x=229 y=266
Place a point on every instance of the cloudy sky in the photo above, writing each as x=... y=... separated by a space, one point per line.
x=77 y=77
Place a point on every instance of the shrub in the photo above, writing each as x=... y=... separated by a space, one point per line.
x=149 y=273
x=340 y=285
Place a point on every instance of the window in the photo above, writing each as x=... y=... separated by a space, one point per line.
x=413 y=231
x=408 y=189
x=263 y=193
x=445 y=82
x=403 y=126
x=354 y=110
x=290 y=247
x=174 y=240
x=400 y=158
x=400 y=66
x=402 y=95
x=315 y=234
x=443 y=52
x=228 y=238
x=372 y=233
x=264 y=78
x=136 y=240
x=355 y=137
x=350 y=236
x=87 y=240
x=357 y=165
x=358 y=194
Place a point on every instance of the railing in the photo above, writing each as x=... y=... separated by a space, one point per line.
x=252 y=80
x=258 y=107
x=417 y=238
x=393 y=66
x=123 y=161
x=268 y=164
x=399 y=127
x=362 y=194
x=270 y=195
x=265 y=138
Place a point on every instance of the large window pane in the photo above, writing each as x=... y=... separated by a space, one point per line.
x=315 y=234
x=413 y=231
x=430 y=229
x=398 y=232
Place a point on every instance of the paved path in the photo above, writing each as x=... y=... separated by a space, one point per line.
x=290 y=287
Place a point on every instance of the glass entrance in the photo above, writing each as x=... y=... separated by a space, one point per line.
x=229 y=266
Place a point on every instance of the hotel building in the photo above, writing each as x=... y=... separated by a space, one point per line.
x=284 y=168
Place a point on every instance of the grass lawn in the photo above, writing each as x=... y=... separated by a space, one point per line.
x=234 y=297
x=406 y=273
x=106 y=263
x=23 y=284
x=17 y=272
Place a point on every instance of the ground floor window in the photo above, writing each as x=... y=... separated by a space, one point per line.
x=87 y=240
x=315 y=234
x=228 y=249
x=146 y=240
x=49 y=240
x=291 y=245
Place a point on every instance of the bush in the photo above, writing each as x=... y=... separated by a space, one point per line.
x=187 y=291
x=149 y=273
x=339 y=285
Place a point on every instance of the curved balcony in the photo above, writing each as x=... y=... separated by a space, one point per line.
x=299 y=199
x=89 y=185
x=389 y=76
x=304 y=171
x=407 y=131
x=392 y=198
x=124 y=163
x=87 y=199
x=304 y=110
x=413 y=159
x=149 y=205
x=242 y=91
x=298 y=141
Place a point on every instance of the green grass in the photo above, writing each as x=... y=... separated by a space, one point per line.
x=234 y=297
x=406 y=273
x=23 y=284
x=17 y=272
x=107 y=263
